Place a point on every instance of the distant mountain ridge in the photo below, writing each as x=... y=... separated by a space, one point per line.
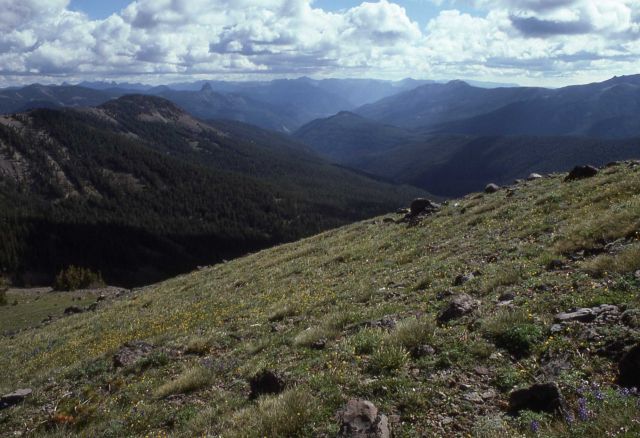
x=141 y=190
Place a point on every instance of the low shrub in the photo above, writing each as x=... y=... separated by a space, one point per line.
x=622 y=263
x=74 y=278
x=388 y=358
x=190 y=381
x=514 y=331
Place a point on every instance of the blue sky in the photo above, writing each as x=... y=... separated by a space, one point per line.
x=530 y=42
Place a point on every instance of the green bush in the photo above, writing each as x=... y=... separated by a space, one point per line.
x=74 y=278
x=520 y=339
x=388 y=358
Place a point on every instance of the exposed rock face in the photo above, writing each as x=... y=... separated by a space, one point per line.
x=543 y=397
x=491 y=188
x=360 y=419
x=130 y=353
x=8 y=400
x=581 y=172
x=534 y=176
x=629 y=368
x=459 y=306
x=266 y=382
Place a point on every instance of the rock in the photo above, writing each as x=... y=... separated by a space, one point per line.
x=130 y=353
x=555 y=265
x=631 y=318
x=421 y=205
x=388 y=220
x=586 y=315
x=542 y=397
x=459 y=306
x=423 y=351
x=629 y=368
x=320 y=344
x=360 y=419
x=581 y=172
x=507 y=296
x=556 y=328
x=491 y=188
x=266 y=382
x=101 y=298
x=8 y=400
x=72 y=310
x=534 y=176
x=462 y=279
x=473 y=397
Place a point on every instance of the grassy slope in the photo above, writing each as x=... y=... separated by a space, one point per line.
x=354 y=274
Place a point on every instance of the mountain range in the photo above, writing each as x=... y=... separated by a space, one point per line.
x=140 y=190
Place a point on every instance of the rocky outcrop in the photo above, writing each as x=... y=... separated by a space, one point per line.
x=16 y=397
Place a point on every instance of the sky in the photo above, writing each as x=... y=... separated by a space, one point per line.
x=530 y=42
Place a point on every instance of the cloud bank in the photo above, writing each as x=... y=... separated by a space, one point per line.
x=151 y=40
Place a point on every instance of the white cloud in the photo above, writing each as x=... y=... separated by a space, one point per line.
x=158 y=39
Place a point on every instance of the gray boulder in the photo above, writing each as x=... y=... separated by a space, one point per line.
x=16 y=397
x=361 y=419
x=458 y=307
x=491 y=188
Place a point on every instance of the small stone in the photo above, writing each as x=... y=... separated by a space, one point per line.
x=482 y=371
x=473 y=397
x=462 y=279
x=423 y=351
x=507 y=296
x=555 y=265
x=320 y=344
x=491 y=188
x=556 y=328
x=488 y=395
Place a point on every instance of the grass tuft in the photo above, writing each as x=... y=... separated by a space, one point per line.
x=190 y=381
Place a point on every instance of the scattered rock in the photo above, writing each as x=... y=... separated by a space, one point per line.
x=423 y=351
x=586 y=315
x=72 y=310
x=556 y=328
x=507 y=296
x=629 y=368
x=320 y=344
x=130 y=353
x=360 y=419
x=266 y=382
x=631 y=318
x=534 y=176
x=491 y=188
x=459 y=306
x=555 y=265
x=101 y=298
x=420 y=205
x=482 y=371
x=473 y=397
x=8 y=400
x=542 y=397
x=581 y=172
x=463 y=278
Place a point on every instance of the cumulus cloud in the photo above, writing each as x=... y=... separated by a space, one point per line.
x=181 y=38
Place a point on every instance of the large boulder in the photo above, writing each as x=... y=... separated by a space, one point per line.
x=361 y=419
x=266 y=382
x=581 y=172
x=541 y=397
x=534 y=176
x=458 y=307
x=589 y=314
x=629 y=368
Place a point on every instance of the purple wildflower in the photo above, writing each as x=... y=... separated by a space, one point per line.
x=583 y=412
x=535 y=426
x=598 y=395
x=569 y=418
